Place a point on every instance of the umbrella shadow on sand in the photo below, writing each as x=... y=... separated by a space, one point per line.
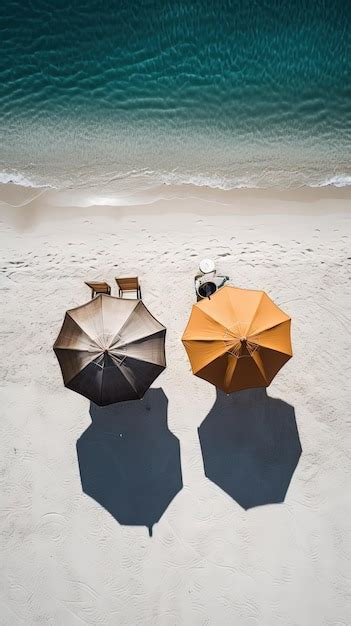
x=129 y=460
x=250 y=446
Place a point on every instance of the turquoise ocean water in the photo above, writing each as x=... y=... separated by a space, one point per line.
x=127 y=94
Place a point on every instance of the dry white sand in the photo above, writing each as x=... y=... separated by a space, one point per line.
x=64 y=559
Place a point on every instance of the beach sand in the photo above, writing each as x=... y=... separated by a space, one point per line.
x=64 y=559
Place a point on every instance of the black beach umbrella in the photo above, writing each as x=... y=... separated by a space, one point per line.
x=110 y=349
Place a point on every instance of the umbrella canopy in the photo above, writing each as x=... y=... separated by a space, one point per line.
x=237 y=339
x=110 y=349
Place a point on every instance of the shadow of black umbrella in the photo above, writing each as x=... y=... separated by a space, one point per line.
x=250 y=446
x=129 y=461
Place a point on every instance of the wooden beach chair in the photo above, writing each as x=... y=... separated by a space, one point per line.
x=98 y=287
x=128 y=284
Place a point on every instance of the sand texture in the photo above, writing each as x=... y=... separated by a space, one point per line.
x=222 y=553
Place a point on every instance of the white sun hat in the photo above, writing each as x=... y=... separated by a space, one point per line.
x=206 y=266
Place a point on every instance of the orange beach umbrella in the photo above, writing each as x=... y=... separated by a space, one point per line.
x=237 y=339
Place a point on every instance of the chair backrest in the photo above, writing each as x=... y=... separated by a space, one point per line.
x=128 y=284
x=99 y=287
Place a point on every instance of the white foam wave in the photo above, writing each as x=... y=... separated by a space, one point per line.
x=273 y=180
x=16 y=178
x=334 y=181
x=203 y=180
x=129 y=184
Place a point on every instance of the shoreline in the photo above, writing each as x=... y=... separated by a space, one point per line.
x=23 y=207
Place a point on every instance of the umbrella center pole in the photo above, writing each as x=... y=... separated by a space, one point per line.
x=240 y=347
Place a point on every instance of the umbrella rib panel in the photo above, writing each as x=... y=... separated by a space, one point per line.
x=259 y=364
x=133 y=305
x=231 y=304
x=245 y=380
x=76 y=364
x=89 y=324
x=100 y=384
x=276 y=311
x=80 y=335
x=126 y=380
x=143 y=333
x=273 y=361
x=140 y=377
x=212 y=320
x=135 y=349
x=255 y=313
x=231 y=298
x=261 y=341
x=127 y=377
x=208 y=358
x=231 y=367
